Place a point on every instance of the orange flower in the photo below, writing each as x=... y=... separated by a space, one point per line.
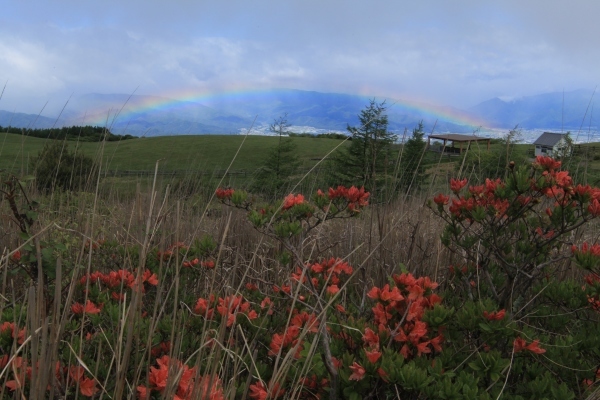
x=117 y=296
x=535 y=348
x=594 y=208
x=266 y=302
x=419 y=330
x=358 y=372
x=143 y=392
x=371 y=338
x=374 y=293
x=390 y=295
x=547 y=163
x=16 y=256
x=415 y=291
x=158 y=377
x=223 y=194
x=291 y=200
x=150 y=277
x=456 y=185
x=436 y=342
x=423 y=349
x=441 y=199
x=495 y=315
x=10 y=327
x=89 y=308
x=286 y=289
x=333 y=289
x=519 y=344
x=373 y=356
x=87 y=387
x=210 y=388
x=336 y=363
x=258 y=391
x=382 y=316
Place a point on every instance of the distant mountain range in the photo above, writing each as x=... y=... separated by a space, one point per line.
x=568 y=110
x=307 y=111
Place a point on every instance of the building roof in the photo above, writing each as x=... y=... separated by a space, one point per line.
x=548 y=139
x=455 y=137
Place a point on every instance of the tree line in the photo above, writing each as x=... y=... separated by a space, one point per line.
x=86 y=133
x=330 y=135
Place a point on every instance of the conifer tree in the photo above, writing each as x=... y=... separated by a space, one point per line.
x=282 y=162
x=412 y=173
x=366 y=161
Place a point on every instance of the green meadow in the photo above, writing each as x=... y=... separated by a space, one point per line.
x=206 y=154
x=176 y=153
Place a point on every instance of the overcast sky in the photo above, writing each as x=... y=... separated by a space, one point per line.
x=455 y=53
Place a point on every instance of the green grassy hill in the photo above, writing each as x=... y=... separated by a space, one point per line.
x=208 y=153
x=191 y=153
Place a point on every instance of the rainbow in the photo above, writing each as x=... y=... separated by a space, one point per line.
x=139 y=105
x=442 y=113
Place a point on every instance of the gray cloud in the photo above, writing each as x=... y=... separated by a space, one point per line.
x=457 y=53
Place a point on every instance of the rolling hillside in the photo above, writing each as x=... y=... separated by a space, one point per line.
x=210 y=152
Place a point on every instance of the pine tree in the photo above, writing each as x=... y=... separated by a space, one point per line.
x=365 y=162
x=282 y=162
x=412 y=173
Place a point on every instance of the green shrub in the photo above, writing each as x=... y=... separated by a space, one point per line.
x=58 y=167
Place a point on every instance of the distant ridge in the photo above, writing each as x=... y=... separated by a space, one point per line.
x=22 y=120
x=306 y=110
x=548 y=110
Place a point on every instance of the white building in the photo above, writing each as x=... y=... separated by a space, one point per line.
x=551 y=145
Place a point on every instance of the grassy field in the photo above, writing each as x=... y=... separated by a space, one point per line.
x=190 y=153
x=210 y=155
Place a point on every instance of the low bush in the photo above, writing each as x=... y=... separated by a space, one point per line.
x=59 y=167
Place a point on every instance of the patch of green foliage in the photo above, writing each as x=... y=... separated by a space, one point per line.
x=59 y=167
x=81 y=133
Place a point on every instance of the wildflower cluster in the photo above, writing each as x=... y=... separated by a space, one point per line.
x=536 y=206
x=88 y=308
x=64 y=379
x=352 y=199
x=296 y=213
x=116 y=281
x=228 y=308
x=231 y=197
x=327 y=273
x=507 y=238
x=399 y=311
x=291 y=201
x=520 y=344
x=587 y=257
x=172 y=377
x=301 y=323
x=168 y=254
x=223 y=194
x=9 y=331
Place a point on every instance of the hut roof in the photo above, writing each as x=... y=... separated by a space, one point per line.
x=548 y=139
x=455 y=137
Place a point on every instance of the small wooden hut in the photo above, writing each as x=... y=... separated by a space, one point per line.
x=458 y=143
